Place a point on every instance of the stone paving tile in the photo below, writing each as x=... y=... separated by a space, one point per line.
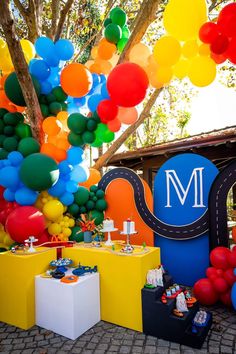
x=108 y=338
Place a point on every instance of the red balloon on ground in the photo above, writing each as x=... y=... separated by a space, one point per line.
x=25 y=221
x=229 y=276
x=127 y=84
x=107 y=110
x=219 y=256
x=220 y=285
x=204 y=292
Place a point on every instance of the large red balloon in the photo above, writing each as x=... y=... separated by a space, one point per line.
x=107 y=110
x=229 y=276
x=220 y=285
x=127 y=84
x=204 y=292
x=227 y=20
x=232 y=258
x=219 y=256
x=25 y=221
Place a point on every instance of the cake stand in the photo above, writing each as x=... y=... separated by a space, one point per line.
x=109 y=241
x=31 y=240
x=128 y=248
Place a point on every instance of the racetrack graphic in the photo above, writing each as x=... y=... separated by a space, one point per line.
x=184 y=232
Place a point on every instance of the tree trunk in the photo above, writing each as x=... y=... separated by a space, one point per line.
x=146 y=15
x=21 y=69
x=62 y=19
x=117 y=143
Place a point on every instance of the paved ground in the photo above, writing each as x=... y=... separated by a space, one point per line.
x=108 y=338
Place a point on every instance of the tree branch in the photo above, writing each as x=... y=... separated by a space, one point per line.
x=102 y=161
x=62 y=19
x=55 y=15
x=214 y=4
x=23 y=11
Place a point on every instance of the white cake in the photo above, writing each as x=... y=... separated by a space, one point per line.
x=108 y=224
x=128 y=227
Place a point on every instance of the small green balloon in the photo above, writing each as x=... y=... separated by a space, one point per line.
x=113 y=33
x=118 y=17
x=1 y=126
x=91 y=124
x=44 y=110
x=64 y=106
x=108 y=136
x=10 y=119
x=43 y=99
x=23 y=130
x=3 y=111
x=10 y=144
x=96 y=117
x=100 y=194
x=95 y=199
x=83 y=210
x=88 y=137
x=90 y=205
x=75 y=139
x=9 y=130
x=125 y=32
x=20 y=117
x=101 y=205
x=101 y=130
x=55 y=108
x=2 y=138
x=121 y=44
x=98 y=216
x=81 y=196
x=28 y=146
x=76 y=234
x=112 y=12
x=107 y=22
x=76 y=122
x=97 y=142
x=73 y=209
x=3 y=154
x=50 y=98
x=60 y=95
x=93 y=188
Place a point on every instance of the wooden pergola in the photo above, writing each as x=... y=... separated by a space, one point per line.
x=219 y=146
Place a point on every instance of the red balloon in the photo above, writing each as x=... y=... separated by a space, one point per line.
x=219 y=59
x=204 y=292
x=114 y=125
x=231 y=51
x=107 y=110
x=211 y=271
x=226 y=298
x=220 y=273
x=220 y=285
x=232 y=258
x=227 y=20
x=25 y=221
x=208 y=32
x=127 y=84
x=220 y=44
x=229 y=276
x=218 y=257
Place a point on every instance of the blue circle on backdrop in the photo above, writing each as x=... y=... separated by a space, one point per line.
x=181 y=188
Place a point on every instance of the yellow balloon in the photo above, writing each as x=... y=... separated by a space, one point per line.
x=164 y=74
x=181 y=68
x=94 y=52
x=66 y=231
x=204 y=49
x=167 y=51
x=139 y=54
x=28 y=49
x=53 y=209
x=71 y=222
x=202 y=71
x=190 y=49
x=8 y=240
x=54 y=229
x=183 y=18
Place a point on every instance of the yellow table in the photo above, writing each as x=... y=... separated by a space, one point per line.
x=122 y=277
x=17 y=273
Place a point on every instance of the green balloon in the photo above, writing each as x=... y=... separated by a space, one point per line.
x=23 y=130
x=75 y=139
x=28 y=146
x=100 y=194
x=39 y=172
x=88 y=137
x=77 y=123
x=20 y=117
x=93 y=188
x=101 y=130
x=108 y=136
x=73 y=209
x=10 y=119
x=101 y=205
x=98 y=216
x=60 y=95
x=113 y=33
x=81 y=196
x=8 y=130
x=117 y=8
x=10 y=144
x=91 y=124
x=118 y=17
x=3 y=111
x=63 y=106
x=13 y=90
x=76 y=235
x=2 y=138
x=44 y=110
x=50 y=98
x=3 y=154
x=97 y=142
x=95 y=199
x=55 y=107
x=43 y=99
x=83 y=210
x=107 y=22
x=1 y=126
x=90 y=205
x=121 y=44
x=125 y=32
x=96 y=117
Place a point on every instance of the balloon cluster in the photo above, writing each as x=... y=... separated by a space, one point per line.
x=220 y=278
x=53 y=102
x=220 y=36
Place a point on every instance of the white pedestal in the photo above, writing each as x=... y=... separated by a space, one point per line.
x=68 y=309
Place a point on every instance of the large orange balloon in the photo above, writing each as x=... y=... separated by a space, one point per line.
x=127 y=115
x=51 y=126
x=94 y=178
x=106 y=50
x=76 y=80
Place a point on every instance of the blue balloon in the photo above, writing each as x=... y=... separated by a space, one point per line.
x=64 y=168
x=75 y=155
x=44 y=46
x=67 y=198
x=6 y=163
x=79 y=102
x=233 y=295
x=54 y=77
x=102 y=78
x=15 y=157
x=32 y=61
x=46 y=87
x=71 y=186
x=25 y=196
x=94 y=101
x=52 y=59
x=9 y=195
x=40 y=69
x=9 y=177
x=58 y=189
x=64 y=49
x=79 y=174
x=104 y=91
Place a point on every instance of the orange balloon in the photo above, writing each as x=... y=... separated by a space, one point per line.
x=94 y=178
x=62 y=116
x=114 y=125
x=54 y=152
x=76 y=80
x=105 y=66
x=95 y=68
x=63 y=144
x=106 y=50
x=52 y=139
x=127 y=115
x=60 y=154
x=94 y=52
x=51 y=126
